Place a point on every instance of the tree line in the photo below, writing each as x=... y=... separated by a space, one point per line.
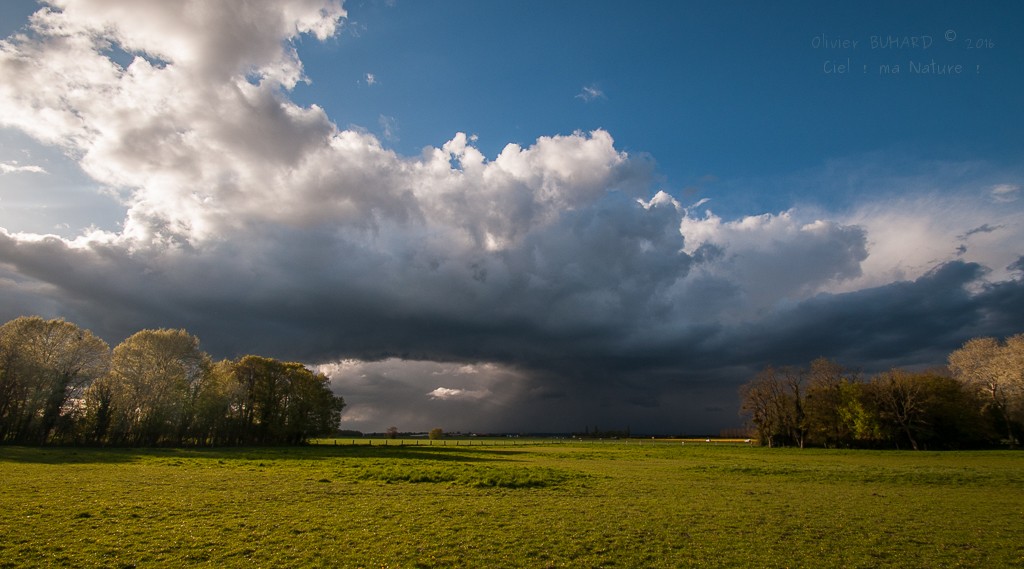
x=62 y=384
x=976 y=401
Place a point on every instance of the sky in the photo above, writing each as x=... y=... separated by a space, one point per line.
x=519 y=216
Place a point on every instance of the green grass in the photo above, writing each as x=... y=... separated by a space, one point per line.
x=542 y=505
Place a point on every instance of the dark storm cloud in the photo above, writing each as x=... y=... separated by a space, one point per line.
x=1017 y=266
x=902 y=323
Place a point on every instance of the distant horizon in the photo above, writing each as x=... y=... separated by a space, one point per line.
x=519 y=216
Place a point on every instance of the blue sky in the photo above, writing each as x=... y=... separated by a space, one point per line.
x=729 y=90
x=519 y=215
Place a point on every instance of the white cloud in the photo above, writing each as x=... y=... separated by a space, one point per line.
x=371 y=79
x=661 y=198
x=213 y=41
x=206 y=146
x=204 y=124
x=388 y=127
x=908 y=237
x=15 y=168
x=1004 y=193
x=760 y=261
x=464 y=394
x=590 y=92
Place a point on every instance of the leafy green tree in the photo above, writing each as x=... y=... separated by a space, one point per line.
x=826 y=395
x=98 y=411
x=436 y=433
x=215 y=418
x=263 y=383
x=953 y=417
x=283 y=401
x=155 y=380
x=312 y=409
x=156 y=387
x=44 y=367
x=859 y=418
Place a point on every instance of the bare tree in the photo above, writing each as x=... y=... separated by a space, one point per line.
x=796 y=416
x=768 y=401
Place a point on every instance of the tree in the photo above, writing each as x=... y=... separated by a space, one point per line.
x=44 y=367
x=796 y=416
x=262 y=383
x=436 y=433
x=58 y=381
x=215 y=418
x=858 y=416
x=772 y=401
x=312 y=409
x=155 y=380
x=826 y=395
x=98 y=407
x=899 y=399
x=391 y=432
x=995 y=372
x=925 y=409
x=283 y=401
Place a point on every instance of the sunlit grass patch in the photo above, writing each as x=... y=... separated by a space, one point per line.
x=476 y=476
x=555 y=505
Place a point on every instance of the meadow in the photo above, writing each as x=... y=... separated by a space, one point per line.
x=567 y=504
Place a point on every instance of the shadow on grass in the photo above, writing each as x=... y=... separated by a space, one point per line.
x=114 y=455
x=67 y=455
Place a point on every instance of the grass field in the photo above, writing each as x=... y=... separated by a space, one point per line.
x=540 y=505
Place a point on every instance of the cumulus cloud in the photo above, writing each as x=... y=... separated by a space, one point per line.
x=545 y=287
x=767 y=259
